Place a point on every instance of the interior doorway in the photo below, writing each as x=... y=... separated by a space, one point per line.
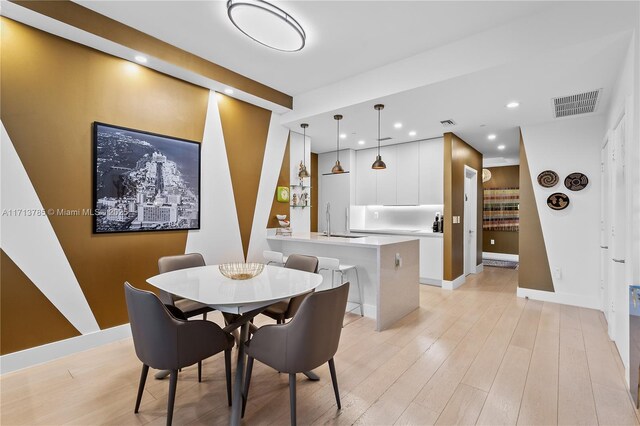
x=470 y=220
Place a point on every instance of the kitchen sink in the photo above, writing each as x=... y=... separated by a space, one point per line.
x=344 y=235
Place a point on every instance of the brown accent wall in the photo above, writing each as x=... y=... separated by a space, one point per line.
x=52 y=91
x=315 y=182
x=505 y=241
x=85 y=19
x=457 y=154
x=27 y=317
x=245 y=129
x=534 y=271
x=283 y=180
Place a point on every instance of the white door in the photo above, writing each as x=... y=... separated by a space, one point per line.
x=470 y=220
x=618 y=290
x=605 y=258
x=335 y=191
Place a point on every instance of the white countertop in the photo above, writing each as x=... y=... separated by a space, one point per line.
x=417 y=233
x=318 y=238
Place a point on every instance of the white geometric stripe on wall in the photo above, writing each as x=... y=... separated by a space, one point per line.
x=273 y=155
x=218 y=238
x=27 y=237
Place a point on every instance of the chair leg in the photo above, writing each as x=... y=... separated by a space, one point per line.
x=292 y=397
x=334 y=380
x=227 y=370
x=199 y=371
x=143 y=379
x=247 y=383
x=204 y=316
x=360 y=293
x=173 y=384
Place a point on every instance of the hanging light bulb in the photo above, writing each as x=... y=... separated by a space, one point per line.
x=303 y=173
x=378 y=164
x=337 y=168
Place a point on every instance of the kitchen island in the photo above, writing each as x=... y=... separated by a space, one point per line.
x=388 y=268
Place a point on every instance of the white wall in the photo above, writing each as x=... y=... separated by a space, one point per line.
x=572 y=235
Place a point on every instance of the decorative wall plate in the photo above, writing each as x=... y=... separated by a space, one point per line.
x=282 y=194
x=576 y=181
x=548 y=179
x=558 y=201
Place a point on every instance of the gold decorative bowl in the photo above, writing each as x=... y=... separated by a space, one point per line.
x=241 y=271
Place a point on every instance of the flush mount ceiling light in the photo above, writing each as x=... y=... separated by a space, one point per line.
x=491 y=137
x=361 y=142
x=228 y=91
x=513 y=104
x=398 y=125
x=501 y=147
x=412 y=133
x=267 y=24
x=141 y=59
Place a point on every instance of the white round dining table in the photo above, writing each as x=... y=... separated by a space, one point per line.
x=246 y=298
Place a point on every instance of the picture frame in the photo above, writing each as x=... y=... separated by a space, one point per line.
x=144 y=181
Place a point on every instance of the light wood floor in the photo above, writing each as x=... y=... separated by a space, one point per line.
x=475 y=355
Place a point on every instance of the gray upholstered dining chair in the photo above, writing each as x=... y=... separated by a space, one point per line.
x=307 y=341
x=286 y=309
x=188 y=307
x=165 y=342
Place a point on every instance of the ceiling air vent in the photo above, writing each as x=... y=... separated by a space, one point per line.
x=448 y=123
x=580 y=103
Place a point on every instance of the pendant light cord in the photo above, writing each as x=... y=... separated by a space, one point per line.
x=338 y=142
x=378 y=132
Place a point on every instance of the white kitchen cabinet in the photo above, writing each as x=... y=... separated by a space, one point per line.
x=408 y=174
x=431 y=249
x=366 y=185
x=431 y=172
x=387 y=189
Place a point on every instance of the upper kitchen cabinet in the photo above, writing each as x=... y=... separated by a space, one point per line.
x=366 y=185
x=408 y=174
x=431 y=172
x=387 y=179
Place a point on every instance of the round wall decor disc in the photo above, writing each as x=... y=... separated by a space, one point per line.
x=558 y=201
x=576 y=181
x=548 y=179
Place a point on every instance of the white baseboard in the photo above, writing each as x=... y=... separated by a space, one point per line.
x=500 y=256
x=479 y=268
x=431 y=281
x=40 y=354
x=452 y=285
x=563 y=298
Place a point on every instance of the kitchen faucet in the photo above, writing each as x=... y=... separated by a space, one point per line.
x=328 y=217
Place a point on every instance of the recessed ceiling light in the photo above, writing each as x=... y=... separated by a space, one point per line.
x=412 y=133
x=398 y=125
x=501 y=147
x=141 y=59
x=360 y=142
x=491 y=137
x=267 y=24
x=228 y=91
x=343 y=135
x=513 y=104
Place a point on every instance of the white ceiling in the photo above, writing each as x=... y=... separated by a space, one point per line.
x=344 y=38
x=542 y=50
x=477 y=102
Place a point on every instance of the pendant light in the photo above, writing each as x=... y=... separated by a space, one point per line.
x=337 y=168
x=378 y=164
x=303 y=173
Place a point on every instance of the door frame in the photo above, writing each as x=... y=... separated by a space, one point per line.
x=470 y=222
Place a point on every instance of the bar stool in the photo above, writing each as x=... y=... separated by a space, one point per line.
x=274 y=257
x=333 y=265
